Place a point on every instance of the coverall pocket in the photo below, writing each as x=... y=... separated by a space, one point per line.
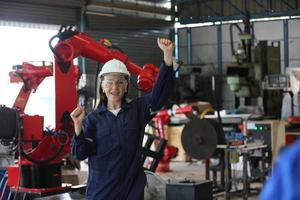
x=105 y=142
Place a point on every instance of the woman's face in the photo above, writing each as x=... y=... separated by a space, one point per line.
x=114 y=86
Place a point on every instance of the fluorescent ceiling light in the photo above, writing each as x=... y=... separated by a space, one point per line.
x=178 y=25
x=100 y=14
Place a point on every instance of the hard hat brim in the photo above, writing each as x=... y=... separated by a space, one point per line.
x=114 y=73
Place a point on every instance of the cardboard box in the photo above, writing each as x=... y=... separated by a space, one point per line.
x=74 y=177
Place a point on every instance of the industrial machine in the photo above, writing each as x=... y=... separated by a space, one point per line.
x=250 y=64
x=270 y=133
x=289 y=84
x=40 y=152
x=194 y=84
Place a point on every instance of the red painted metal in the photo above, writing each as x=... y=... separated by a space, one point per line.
x=32 y=128
x=41 y=191
x=13 y=175
x=162 y=118
x=82 y=45
x=164 y=163
x=37 y=144
x=294 y=121
x=33 y=76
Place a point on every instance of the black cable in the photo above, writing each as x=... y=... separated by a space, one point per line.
x=19 y=127
x=63 y=34
x=22 y=152
x=60 y=60
x=42 y=161
x=231 y=37
x=292 y=103
x=96 y=84
x=116 y=47
x=59 y=150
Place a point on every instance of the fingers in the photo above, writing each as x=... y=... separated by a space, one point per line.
x=77 y=114
x=167 y=47
x=164 y=41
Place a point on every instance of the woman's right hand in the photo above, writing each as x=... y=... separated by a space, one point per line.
x=77 y=116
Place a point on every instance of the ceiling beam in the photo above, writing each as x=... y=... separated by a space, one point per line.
x=132 y=6
x=66 y=3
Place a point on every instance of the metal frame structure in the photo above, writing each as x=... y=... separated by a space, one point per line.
x=226 y=10
x=217 y=11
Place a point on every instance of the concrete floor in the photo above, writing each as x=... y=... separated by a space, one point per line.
x=156 y=188
x=196 y=172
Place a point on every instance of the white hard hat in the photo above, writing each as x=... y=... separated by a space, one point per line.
x=114 y=66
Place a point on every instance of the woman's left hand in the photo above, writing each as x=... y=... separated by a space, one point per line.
x=167 y=46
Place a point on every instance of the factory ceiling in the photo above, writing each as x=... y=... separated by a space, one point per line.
x=184 y=11
x=197 y=11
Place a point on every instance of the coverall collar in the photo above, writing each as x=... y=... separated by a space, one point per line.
x=103 y=106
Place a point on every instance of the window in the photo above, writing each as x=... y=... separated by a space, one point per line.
x=19 y=43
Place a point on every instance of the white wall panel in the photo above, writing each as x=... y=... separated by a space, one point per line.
x=182 y=54
x=204 y=35
x=294 y=28
x=294 y=47
x=271 y=30
x=182 y=37
x=294 y=43
x=204 y=54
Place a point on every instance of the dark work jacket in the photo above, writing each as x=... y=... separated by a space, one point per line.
x=113 y=144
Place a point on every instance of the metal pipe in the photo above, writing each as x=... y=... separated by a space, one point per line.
x=176 y=55
x=82 y=25
x=189 y=46
x=219 y=43
x=286 y=42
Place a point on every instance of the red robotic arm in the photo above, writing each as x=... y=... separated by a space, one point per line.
x=31 y=76
x=43 y=151
x=73 y=44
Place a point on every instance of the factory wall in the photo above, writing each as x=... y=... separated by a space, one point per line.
x=294 y=43
x=204 y=46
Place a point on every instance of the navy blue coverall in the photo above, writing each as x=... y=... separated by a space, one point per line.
x=113 y=144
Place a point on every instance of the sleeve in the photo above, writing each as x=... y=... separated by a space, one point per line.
x=273 y=187
x=284 y=181
x=160 y=93
x=84 y=144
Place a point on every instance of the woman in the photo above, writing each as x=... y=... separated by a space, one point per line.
x=111 y=136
